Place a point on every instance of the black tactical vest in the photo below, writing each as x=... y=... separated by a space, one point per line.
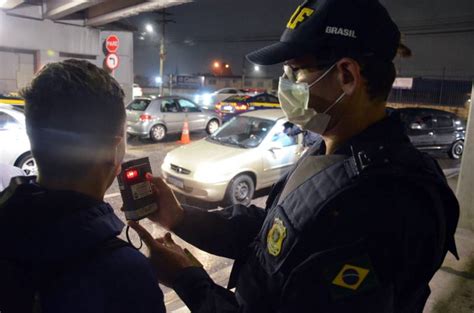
x=273 y=277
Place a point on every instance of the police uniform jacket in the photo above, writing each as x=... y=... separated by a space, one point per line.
x=362 y=230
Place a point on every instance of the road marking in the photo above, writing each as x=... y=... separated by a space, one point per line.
x=112 y=195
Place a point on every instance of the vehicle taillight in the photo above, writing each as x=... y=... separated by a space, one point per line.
x=241 y=107
x=145 y=117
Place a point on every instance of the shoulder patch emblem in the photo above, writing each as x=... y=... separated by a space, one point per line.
x=350 y=277
x=275 y=237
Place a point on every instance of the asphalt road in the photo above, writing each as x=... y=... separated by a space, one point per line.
x=217 y=267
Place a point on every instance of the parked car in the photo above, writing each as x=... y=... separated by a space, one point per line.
x=159 y=117
x=248 y=153
x=12 y=100
x=235 y=105
x=434 y=130
x=209 y=100
x=14 y=143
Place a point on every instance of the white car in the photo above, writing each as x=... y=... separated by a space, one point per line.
x=209 y=100
x=15 y=146
x=249 y=153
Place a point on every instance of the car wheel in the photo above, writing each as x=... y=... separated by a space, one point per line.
x=240 y=190
x=456 y=150
x=28 y=164
x=158 y=133
x=212 y=126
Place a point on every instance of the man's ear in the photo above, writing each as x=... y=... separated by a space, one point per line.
x=120 y=149
x=117 y=153
x=348 y=74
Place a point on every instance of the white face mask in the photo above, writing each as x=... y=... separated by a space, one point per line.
x=294 y=100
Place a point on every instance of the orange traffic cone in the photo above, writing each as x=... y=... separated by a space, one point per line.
x=185 y=133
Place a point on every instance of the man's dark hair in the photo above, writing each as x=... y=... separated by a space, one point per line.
x=71 y=104
x=379 y=74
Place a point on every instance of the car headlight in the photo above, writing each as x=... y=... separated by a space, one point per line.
x=166 y=161
x=209 y=173
x=207 y=98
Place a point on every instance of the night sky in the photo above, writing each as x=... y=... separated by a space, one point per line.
x=226 y=30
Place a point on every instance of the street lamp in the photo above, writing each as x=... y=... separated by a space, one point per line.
x=149 y=28
x=217 y=64
x=227 y=66
x=158 y=80
x=256 y=68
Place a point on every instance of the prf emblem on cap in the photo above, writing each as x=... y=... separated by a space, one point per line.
x=275 y=237
x=300 y=15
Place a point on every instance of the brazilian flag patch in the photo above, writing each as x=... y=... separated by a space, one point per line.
x=351 y=277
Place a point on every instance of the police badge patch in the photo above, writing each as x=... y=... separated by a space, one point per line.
x=275 y=237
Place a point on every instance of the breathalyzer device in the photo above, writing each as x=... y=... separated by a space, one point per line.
x=136 y=190
x=137 y=193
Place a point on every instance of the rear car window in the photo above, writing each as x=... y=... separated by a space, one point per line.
x=187 y=106
x=423 y=119
x=236 y=99
x=260 y=99
x=444 y=121
x=139 y=105
x=273 y=99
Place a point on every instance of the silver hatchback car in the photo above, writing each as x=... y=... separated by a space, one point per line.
x=154 y=119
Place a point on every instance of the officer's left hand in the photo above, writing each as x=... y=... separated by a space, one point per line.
x=166 y=256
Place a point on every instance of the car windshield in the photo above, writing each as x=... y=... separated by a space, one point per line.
x=236 y=99
x=138 y=105
x=243 y=131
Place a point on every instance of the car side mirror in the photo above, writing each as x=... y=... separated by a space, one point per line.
x=415 y=126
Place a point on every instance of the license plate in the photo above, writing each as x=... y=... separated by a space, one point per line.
x=175 y=182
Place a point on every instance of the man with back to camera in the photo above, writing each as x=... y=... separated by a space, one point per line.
x=361 y=223
x=58 y=237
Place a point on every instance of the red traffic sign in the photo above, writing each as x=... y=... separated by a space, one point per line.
x=112 y=43
x=112 y=61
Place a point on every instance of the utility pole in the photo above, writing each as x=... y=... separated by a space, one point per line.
x=162 y=22
x=171 y=84
x=243 y=72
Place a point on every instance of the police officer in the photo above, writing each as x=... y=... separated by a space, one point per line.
x=309 y=138
x=361 y=223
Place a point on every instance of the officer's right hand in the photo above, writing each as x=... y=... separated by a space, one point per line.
x=167 y=258
x=169 y=213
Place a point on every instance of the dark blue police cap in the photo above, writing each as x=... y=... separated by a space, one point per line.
x=334 y=27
